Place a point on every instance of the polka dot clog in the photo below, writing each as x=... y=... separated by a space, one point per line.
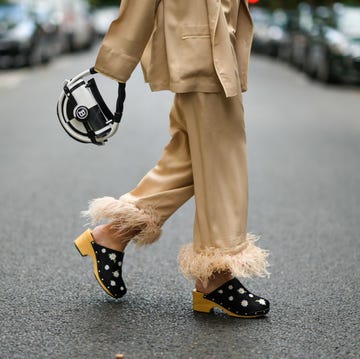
x=232 y=298
x=107 y=264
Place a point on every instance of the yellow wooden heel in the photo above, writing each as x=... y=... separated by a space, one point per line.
x=200 y=304
x=83 y=243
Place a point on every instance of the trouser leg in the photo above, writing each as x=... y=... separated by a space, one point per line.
x=170 y=183
x=217 y=140
x=158 y=195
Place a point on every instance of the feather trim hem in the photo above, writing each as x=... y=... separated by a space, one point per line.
x=127 y=220
x=250 y=261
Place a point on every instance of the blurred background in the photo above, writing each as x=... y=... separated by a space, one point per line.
x=34 y=32
x=320 y=38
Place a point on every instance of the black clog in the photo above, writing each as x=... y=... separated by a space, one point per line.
x=107 y=264
x=232 y=298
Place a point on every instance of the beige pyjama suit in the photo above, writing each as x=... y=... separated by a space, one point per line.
x=200 y=50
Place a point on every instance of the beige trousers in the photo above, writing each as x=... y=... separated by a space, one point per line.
x=205 y=157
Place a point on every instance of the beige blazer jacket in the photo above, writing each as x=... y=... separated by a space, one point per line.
x=183 y=45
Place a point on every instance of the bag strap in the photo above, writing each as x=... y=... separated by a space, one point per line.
x=96 y=93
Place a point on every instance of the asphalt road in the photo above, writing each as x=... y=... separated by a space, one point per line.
x=304 y=169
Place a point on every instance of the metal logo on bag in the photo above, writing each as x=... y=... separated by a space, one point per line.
x=81 y=113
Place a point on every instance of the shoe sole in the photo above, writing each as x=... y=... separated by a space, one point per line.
x=201 y=304
x=85 y=248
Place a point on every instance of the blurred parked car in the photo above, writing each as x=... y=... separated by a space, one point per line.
x=23 y=41
x=272 y=31
x=72 y=19
x=301 y=35
x=334 y=53
x=103 y=17
x=262 y=20
x=76 y=23
x=44 y=14
x=279 y=31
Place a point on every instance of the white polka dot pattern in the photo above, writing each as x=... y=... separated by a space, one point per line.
x=234 y=297
x=109 y=265
x=244 y=303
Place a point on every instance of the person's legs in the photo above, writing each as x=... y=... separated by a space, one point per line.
x=206 y=155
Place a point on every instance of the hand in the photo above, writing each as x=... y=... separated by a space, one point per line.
x=120 y=102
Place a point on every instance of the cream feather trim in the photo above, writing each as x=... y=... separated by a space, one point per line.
x=248 y=262
x=126 y=218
